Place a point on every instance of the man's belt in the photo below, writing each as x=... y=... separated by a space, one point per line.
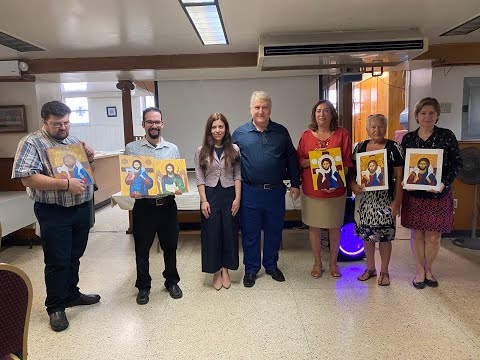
x=265 y=186
x=158 y=201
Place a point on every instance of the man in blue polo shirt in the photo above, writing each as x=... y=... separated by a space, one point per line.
x=268 y=157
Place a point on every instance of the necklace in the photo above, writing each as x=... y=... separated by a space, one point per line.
x=323 y=144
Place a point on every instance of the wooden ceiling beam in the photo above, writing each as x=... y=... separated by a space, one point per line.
x=155 y=62
x=458 y=54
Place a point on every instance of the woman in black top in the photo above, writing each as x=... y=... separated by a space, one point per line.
x=430 y=213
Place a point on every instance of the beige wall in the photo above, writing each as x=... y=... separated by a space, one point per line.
x=447 y=87
x=32 y=95
x=186 y=106
x=18 y=94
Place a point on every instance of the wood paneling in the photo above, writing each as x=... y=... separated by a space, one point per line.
x=464 y=195
x=6 y=183
x=155 y=62
x=396 y=101
x=458 y=54
x=379 y=95
x=107 y=178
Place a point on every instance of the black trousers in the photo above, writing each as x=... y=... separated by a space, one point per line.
x=148 y=220
x=64 y=232
x=219 y=233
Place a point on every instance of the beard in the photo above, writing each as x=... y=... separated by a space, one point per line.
x=154 y=134
x=60 y=135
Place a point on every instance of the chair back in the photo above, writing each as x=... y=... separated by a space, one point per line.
x=15 y=306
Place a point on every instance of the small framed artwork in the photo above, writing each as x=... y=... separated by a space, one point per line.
x=372 y=170
x=111 y=111
x=13 y=119
x=328 y=172
x=423 y=169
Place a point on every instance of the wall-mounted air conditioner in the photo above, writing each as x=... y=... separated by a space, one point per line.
x=9 y=68
x=339 y=49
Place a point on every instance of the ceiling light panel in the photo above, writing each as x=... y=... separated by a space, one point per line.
x=206 y=20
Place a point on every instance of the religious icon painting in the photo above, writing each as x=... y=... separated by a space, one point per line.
x=423 y=169
x=328 y=172
x=144 y=176
x=171 y=176
x=70 y=161
x=136 y=176
x=372 y=170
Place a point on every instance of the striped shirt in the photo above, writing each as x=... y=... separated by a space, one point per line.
x=164 y=150
x=31 y=158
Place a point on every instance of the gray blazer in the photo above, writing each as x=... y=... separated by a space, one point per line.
x=216 y=170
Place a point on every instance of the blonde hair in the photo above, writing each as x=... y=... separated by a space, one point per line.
x=262 y=95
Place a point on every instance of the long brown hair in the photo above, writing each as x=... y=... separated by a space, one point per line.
x=333 y=123
x=206 y=153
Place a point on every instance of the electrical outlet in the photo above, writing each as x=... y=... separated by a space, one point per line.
x=455 y=203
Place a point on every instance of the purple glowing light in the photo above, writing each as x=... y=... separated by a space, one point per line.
x=350 y=244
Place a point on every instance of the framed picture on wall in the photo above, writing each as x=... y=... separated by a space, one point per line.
x=13 y=119
x=111 y=111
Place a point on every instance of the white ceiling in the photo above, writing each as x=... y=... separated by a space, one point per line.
x=86 y=28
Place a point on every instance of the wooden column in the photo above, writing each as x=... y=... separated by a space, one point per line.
x=126 y=86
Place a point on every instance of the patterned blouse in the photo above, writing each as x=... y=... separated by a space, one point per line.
x=440 y=139
x=395 y=158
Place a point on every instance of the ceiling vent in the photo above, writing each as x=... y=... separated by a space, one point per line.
x=341 y=49
x=17 y=44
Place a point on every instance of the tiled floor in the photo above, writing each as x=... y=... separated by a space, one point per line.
x=303 y=318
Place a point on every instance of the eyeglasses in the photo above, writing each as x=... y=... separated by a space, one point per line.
x=58 y=125
x=150 y=122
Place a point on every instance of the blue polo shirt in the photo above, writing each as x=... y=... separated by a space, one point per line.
x=268 y=157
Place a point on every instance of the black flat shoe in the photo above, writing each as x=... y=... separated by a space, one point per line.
x=84 y=299
x=58 y=321
x=418 y=285
x=142 y=297
x=249 y=280
x=276 y=274
x=175 y=291
x=431 y=282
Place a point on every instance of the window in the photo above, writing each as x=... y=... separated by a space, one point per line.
x=471 y=109
x=149 y=101
x=79 y=107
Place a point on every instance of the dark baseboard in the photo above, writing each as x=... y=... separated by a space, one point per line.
x=102 y=204
x=460 y=233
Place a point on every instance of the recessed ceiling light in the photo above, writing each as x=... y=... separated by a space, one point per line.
x=206 y=20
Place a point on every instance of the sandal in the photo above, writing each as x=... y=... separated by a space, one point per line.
x=368 y=273
x=384 y=279
x=316 y=271
x=334 y=272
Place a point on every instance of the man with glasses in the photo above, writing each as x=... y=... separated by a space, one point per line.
x=157 y=215
x=268 y=157
x=62 y=209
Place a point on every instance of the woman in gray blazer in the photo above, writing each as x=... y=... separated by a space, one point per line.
x=217 y=169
